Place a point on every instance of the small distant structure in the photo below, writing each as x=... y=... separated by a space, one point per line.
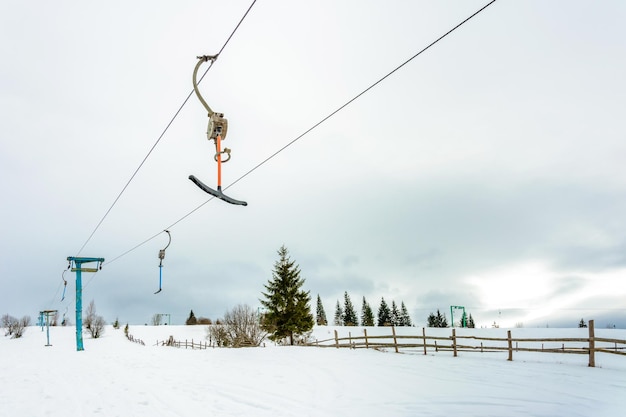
x=165 y=314
x=463 y=317
x=47 y=314
x=40 y=321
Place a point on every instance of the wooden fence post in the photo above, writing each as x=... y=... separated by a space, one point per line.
x=350 y=339
x=366 y=343
x=592 y=345
x=424 y=337
x=454 y=341
x=508 y=335
x=395 y=341
x=336 y=340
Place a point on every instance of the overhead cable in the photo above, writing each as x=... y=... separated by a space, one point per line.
x=162 y=134
x=331 y=114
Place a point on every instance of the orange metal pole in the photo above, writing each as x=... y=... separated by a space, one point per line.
x=218 y=145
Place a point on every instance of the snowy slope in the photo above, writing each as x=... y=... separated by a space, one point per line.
x=115 y=377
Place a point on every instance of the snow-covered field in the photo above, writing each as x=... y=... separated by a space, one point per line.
x=115 y=377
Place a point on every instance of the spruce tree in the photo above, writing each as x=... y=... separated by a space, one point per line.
x=384 y=314
x=320 y=317
x=288 y=310
x=338 y=321
x=438 y=320
x=395 y=315
x=404 y=315
x=367 y=315
x=442 y=321
x=470 y=322
x=431 y=321
x=192 y=319
x=349 y=314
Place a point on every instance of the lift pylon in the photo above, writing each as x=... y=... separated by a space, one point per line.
x=78 y=268
x=463 y=317
x=47 y=314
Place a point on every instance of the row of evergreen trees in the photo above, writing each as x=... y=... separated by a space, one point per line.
x=346 y=315
x=287 y=310
x=440 y=320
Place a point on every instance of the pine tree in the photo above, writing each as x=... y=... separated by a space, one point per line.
x=438 y=320
x=288 y=310
x=395 y=315
x=442 y=321
x=367 y=315
x=582 y=323
x=384 y=314
x=349 y=314
x=404 y=315
x=192 y=319
x=338 y=321
x=470 y=322
x=431 y=321
x=320 y=316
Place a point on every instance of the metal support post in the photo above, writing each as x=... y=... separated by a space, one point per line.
x=78 y=262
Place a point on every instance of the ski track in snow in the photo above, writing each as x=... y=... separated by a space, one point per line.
x=115 y=377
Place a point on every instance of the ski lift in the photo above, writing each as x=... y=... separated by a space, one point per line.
x=161 y=257
x=216 y=131
x=64 y=284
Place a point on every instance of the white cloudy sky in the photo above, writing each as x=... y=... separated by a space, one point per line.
x=488 y=172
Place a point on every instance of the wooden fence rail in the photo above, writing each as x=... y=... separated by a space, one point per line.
x=586 y=346
x=135 y=340
x=187 y=344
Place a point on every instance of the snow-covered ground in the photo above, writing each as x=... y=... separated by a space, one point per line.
x=115 y=377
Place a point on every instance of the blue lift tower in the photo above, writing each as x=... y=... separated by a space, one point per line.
x=78 y=268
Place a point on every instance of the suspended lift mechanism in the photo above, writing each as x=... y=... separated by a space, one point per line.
x=216 y=131
x=64 y=282
x=161 y=257
x=64 y=319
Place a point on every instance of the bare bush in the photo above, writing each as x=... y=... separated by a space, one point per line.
x=15 y=327
x=218 y=335
x=156 y=320
x=21 y=326
x=8 y=324
x=90 y=315
x=97 y=327
x=244 y=329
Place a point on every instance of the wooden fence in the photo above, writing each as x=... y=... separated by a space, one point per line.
x=187 y=344
x=455 y=343
x=135 y=340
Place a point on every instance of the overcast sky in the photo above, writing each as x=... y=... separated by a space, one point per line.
x=487 y=173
